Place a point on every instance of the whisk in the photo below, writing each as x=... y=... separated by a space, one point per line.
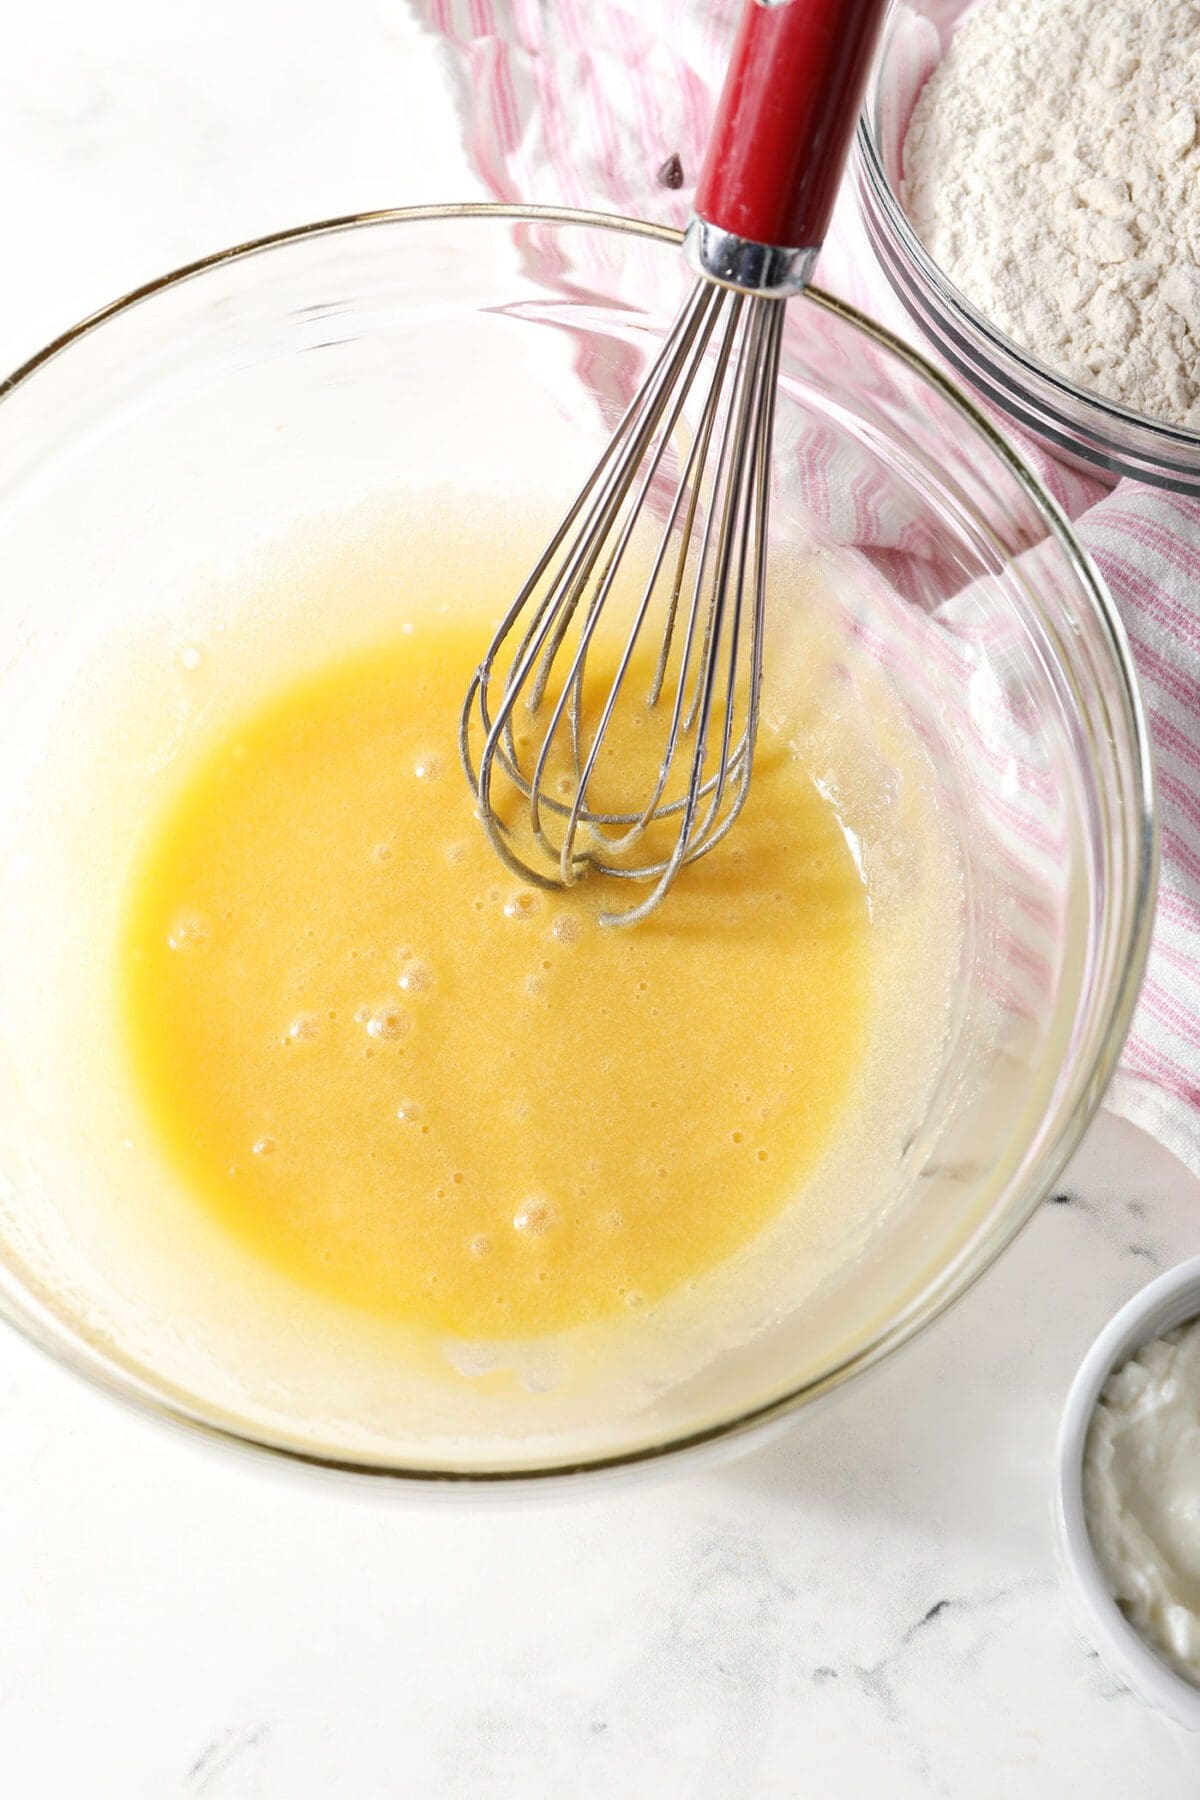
x=533 y=730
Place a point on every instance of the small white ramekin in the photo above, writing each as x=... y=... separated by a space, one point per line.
x=1169 y=1301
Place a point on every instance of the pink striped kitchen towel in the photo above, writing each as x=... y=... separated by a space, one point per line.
x=580 y=104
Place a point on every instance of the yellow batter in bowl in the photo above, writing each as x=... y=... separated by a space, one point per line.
x=380 y=1139
x=403 y=1076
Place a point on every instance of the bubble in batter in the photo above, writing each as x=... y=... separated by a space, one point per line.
x=189 y=932
x=416 y=977
x=521 y=905
x=535 y=1217
x=387 y=1023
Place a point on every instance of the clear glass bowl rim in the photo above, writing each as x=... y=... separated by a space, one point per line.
x=1137 y=904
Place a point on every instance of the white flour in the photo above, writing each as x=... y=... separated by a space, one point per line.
x=1052 y=168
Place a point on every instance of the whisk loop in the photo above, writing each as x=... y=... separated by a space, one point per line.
x=530 y=723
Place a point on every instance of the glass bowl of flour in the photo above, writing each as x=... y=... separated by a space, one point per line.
x=1027 y=172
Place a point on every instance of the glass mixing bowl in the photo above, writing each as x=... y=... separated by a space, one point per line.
x=1073 y=422
x=164 y=443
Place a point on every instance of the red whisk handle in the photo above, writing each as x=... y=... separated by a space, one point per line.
x=783 y=128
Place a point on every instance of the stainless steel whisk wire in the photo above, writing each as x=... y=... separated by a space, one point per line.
x=737 y=338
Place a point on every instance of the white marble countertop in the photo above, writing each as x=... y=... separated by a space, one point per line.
x=869 y=1606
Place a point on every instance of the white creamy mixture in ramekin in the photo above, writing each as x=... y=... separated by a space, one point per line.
x=1141 y=1488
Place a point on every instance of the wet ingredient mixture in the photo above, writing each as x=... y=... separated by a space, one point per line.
x=430 y=1091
